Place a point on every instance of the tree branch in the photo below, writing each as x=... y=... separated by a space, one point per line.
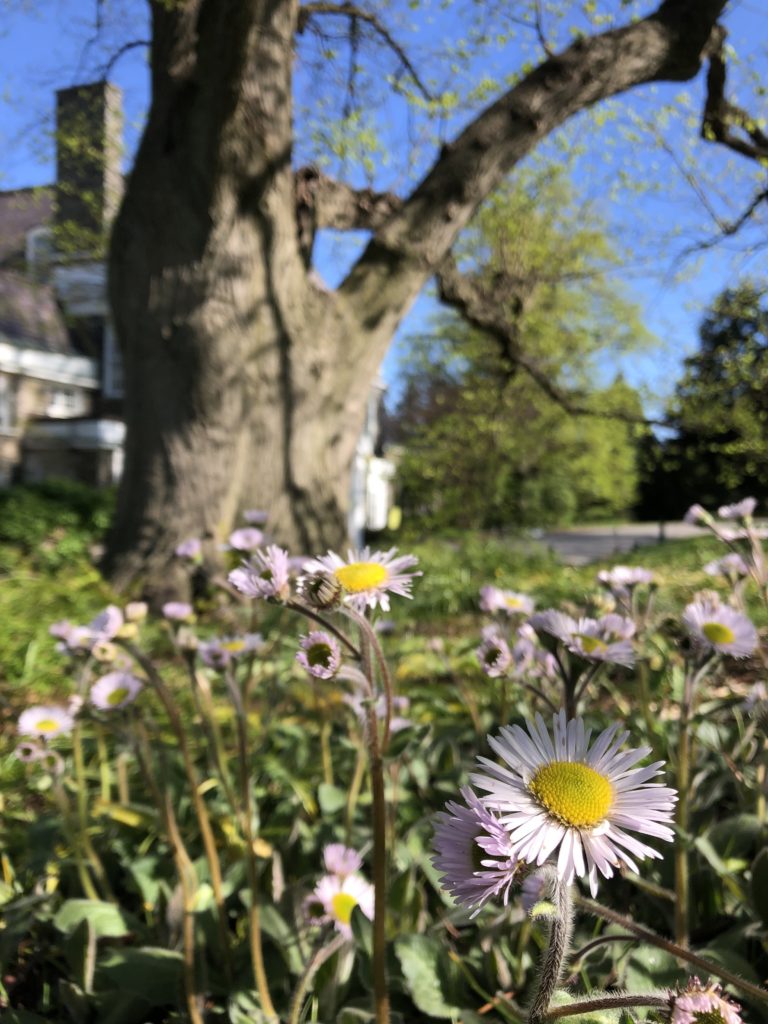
x=134 y=44
x=411 y=245
x=355 y=14
x=498 y=313
x=723 y=121
x=728 y=228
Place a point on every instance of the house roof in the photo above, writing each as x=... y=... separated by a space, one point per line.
x=21 y=210
x=30 y=314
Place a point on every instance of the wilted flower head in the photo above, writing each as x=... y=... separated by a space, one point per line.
x=557 y=791
x=178 y=611
x=267 y=575
x=368 y=578
x=698 y=1004
x=494 y=599
x=494 y=655
x=191 y=549
x=45 y=722
x=732 y=566
x=220 y=651
x=247 y=538
x=319 y=654
x=718 y=627
x=338 y=896
x=341 y=860
x=115 y=690
x=739 y=510
x=473 y=852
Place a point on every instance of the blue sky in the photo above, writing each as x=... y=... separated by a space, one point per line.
x=44 y=46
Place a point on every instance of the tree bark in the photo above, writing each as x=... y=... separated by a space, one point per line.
x=246 y=382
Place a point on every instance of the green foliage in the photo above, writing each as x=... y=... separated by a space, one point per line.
x=484 y=445
x=719 y=413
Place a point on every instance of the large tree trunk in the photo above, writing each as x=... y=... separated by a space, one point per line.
x=246 y=383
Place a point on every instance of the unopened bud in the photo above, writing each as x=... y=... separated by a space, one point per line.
x=321 y=590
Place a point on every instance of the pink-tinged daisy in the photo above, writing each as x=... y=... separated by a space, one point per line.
x=559 y=792
x=45 y=722
x=697 y=1004
x=720 y=628
x=732 y=566
x=320 y=654
x=338 y=897
x=247 y=538
x=115 y=690
x=605 y=639
x=495 y=656
x=554 y=623
x=622 y=579
x=28 y=751
x=739 y=510
x=474 y=853
x=341 y=861
x=368 y=578
x=266 y=576
x=220 y=651
x=255 y=516
x=178 y=611
x=494 y=599
x=107 y=624
x=192 y=549
x=697 y=514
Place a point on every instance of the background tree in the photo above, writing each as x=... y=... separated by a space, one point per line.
x=484 y=444
x=246 y=380
x=720 y=411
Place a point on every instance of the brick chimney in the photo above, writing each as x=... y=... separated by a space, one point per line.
x=89 y=183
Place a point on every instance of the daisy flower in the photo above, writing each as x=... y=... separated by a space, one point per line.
x=220 y=651
x=45 y=722
x=247 y=538
x=191 y=549
x=255 y=516
x=178 y=611
x=560 y=792
x=339 y=896
x=368 y=578
x=720 y=628
x=473 y=852
x=341 y=861
x=732 y=566
x=554 y=623
x=320 y=654
x=699 y=1005
x=494 y=655
x=622 y=579
x=739 y=510
x=115 y=690
x=267 y=575
x=605 y=639
x=493 y=599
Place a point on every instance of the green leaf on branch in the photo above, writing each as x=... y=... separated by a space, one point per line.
x=419 y=958
x=107 y=920
x=331 y=798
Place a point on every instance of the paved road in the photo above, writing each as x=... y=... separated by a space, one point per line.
x=584 y=544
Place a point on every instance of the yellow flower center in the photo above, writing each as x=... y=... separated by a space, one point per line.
x=513 y=602
x=717 y=633
x=590 y=644
x=47 y=725
x=343 y=904
x=233 y=646
x=574 y=793
x=117 y=696
x=359 y=576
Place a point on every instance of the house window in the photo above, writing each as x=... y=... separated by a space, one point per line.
x=112 y=365
x=8 y=395
x=64 y=403
x=39 y=253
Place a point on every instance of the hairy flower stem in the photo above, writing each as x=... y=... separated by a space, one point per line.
x=607 y=1002
x=702 y=963
x=316 y=961
x=379 y=809
x=201 y=811
x=558 y=945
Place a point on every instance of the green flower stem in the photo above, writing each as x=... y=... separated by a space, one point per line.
x=317 y=960
x=82 y=813
x=123 y=785
x=497 y=1002
x=558 y=945
x=325 y=751
x=72 y=835
x=105 y=773
x=379 y=811
x=252 y=868
x=203 y=698
x=354 y=791
x=682 y=815
x=184 y=868
x=370 y=642
x=201 y=811
x=606 y=1002
x=681 y=953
